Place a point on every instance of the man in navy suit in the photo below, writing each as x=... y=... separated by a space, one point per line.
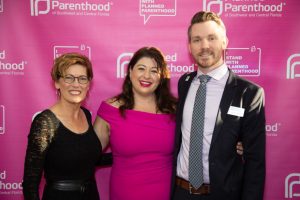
x=234 y=111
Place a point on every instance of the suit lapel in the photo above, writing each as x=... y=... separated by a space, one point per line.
x=187 y=83
x=183 y=88
x=225 y=103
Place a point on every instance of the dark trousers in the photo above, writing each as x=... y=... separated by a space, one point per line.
x=182 y=194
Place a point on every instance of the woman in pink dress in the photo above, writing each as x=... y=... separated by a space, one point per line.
x=139 y=124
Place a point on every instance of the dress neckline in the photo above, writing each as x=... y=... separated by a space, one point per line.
x=69 y=130
x=137 y=112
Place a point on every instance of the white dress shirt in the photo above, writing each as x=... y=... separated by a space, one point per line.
x=214 y=92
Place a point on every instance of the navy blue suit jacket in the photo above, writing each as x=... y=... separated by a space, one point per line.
x=232 y=176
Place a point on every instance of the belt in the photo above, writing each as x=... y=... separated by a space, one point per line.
x=70 y=185
x=204 y=189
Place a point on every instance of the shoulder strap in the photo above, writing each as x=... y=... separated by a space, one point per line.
x=87 y=114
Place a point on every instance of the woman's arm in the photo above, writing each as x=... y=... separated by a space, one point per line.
x=102 y=130
x=41 y=134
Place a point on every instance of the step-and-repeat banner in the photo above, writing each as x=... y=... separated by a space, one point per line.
x=264 y=47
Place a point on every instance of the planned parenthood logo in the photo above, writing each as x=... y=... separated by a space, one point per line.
x=83 y=49
x=273 y=129
x=161 y=8
x=1 y=5
x=293 y=62
x=122 y=62
x=292 y=186
x=244 y=61
x=13 y=67
x=39 y=7
x=71 y=7
x=2 y=119
x=7 y=187
x=213 y=5
x=253 y=8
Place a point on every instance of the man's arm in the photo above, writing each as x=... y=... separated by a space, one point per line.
x=254 y=141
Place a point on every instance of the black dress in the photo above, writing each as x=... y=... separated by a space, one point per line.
x=61 y=155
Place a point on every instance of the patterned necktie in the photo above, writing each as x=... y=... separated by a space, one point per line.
x=196 y=136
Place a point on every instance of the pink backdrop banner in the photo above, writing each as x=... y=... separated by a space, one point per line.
x=263 y=47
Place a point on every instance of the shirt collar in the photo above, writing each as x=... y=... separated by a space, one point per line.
x=217 y=73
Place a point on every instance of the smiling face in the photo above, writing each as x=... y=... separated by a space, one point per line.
x=207 y=44
x=145 y=77
x=74 y=92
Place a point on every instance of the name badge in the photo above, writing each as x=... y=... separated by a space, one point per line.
x=236 y=111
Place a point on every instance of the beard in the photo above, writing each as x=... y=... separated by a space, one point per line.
x=208 y=59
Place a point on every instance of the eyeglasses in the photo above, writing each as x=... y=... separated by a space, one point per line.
x=70 y=79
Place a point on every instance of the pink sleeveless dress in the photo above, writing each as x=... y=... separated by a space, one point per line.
x=142 y=145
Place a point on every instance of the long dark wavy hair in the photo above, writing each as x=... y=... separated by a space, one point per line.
x=165 y=101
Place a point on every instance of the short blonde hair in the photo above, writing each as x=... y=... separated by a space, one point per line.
x=204 y=16
x=63 y=62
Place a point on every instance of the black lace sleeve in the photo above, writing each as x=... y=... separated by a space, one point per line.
x=41 y=134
